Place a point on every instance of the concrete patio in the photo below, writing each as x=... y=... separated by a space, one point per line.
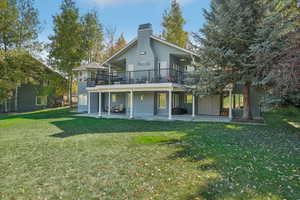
x=188 y=118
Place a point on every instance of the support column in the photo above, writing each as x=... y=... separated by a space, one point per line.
x=109 y=74
x=89 y=102
x=230 y=106
x=170 y=104
x=109 y=100
x=131 y=104
x=100 y=104
x=193 y=109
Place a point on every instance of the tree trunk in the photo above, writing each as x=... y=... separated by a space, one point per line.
x=70 y=89
x=247 y=108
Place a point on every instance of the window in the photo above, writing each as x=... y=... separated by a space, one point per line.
x=41 y=100
x=114 y=98
x=189 y=99
x=237 y=101
x=82 y=100
x=162 y=100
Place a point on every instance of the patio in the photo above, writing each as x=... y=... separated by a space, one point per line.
x=188 y=118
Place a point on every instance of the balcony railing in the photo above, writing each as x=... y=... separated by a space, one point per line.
x=139 y=77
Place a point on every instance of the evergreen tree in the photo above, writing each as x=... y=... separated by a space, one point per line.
x=120 y=44
x=8 y=19
x=28 y=23
x=224 y=45
x=173 y=23
x=66 y=51
x=92 y=34
x=277 y=50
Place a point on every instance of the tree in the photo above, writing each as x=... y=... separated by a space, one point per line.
x=277 y=51
x=110 y=32
x=92 y=34
x=120 y=44
x=8 y=19
x=66 y=50
x=28 y=24
x=173 y=23
x=18 y=66
x=224 y=45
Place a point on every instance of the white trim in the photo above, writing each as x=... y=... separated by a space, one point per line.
x=193 y=111
x=89 y=102
x=131 y=104
x=173 y=45
x=100 y=104
x=42 y=104
x=138 y=87
x=170 y=104
x=109 y=102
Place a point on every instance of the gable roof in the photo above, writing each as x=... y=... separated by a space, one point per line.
x=134 y=41
x=88 y=66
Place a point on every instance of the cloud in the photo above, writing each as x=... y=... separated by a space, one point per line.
x=122 y=2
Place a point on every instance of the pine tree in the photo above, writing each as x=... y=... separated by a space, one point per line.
x=277 y=50
x=9 y=20
x=66 y=51
x=28 y=23
x=225 y=43
x=173 y=23
x=120 y=44
x=92 y=34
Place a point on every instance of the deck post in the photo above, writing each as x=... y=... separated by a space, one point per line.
x=193 y=110
x=170 y=104
x=89 y=102
x=230 y=106
x=109 y=102
x=100 y=104
x=131 y=104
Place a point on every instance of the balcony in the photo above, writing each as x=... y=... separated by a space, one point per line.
x=138 y=77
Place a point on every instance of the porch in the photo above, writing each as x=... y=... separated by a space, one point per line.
x=188 y=118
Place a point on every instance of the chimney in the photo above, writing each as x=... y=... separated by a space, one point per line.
x=145 y=57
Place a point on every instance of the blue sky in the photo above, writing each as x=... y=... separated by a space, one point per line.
x=125 y=15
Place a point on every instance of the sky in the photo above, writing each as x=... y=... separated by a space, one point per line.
x=125 y=15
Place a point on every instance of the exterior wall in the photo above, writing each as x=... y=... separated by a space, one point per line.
x=26 y=100
x=209 y=105
x=81 y=90
x=145 y=107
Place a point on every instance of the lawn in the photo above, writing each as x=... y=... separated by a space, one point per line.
x=54 y=155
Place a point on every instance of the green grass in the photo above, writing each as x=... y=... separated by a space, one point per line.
x=54 y=155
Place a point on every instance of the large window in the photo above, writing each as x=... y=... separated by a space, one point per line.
x=189 y=99
x=162 y=100
x=41 y=100
x=237 y=101
x=82 y=100
x=114 y=98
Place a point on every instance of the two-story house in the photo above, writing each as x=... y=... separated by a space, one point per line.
x=147 y=78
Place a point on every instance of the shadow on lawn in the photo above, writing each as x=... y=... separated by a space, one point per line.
x=253 y=162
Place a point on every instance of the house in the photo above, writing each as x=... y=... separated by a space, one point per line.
x=147 y=79
x=31 y=96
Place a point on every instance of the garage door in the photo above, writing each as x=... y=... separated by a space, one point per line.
x=209 y=105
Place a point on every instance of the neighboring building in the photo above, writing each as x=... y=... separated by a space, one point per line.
x=147 y=78
x=26 y=97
